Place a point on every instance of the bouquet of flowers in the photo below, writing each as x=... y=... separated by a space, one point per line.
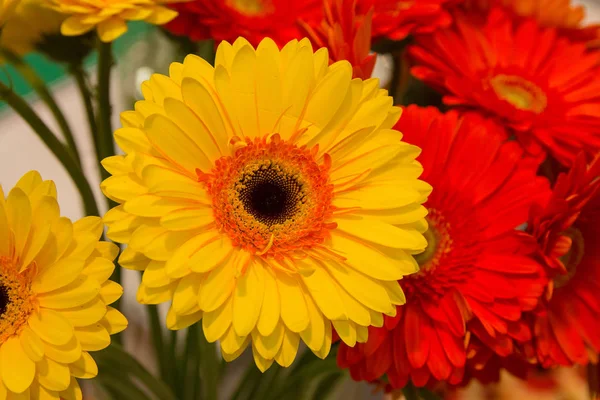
x=300 y=220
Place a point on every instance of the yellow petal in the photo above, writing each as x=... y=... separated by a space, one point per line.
x=64 y=354
x=289 y=348
x=262 y=363
x=211 y=254
x=148 y=295
x=73 y=26
x=93 y=225
x=217 y=288
x=231 y=343
x=73 y=392
x=176 y=322
x=198 y=98
x=188 y=218
x=100 y=268
x=111 y=29
x=19 y=217
x=45 y=214
x=247 y=299
x=51 y=326
x=38 y=392
x=271 y=310
x=110 y=292
x=314 y=334
x=18 y=369
x=185 y=298
x=5 y=232
x=346 y=330
x=268 y=346
x=361 y=287
x=326 y=348
x=178 y=184
x=85 y=367
x=85 y=314
x=114 y=322
x=293 y=306
x=52 y=375
x=179 y=264
x=378 y=232
x=197 y=131
x=176 y=146
x=82 y=290
x=323 y=290
x=28 y=182
x=134 y=260
x=31 y=344
x=57 y=275
x=93 y=337
x=389 y=266
x=216 y=323
x=149 y=205
x=155 y=274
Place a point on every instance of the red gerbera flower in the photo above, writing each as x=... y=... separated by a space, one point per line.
x=477 y=267
x=251 y=19
x=346 y=32
x=566 y=323
x=396 y=19
x=543 y=87
x=560 y=14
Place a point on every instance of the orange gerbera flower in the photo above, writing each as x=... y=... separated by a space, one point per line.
x=561 y=14
x=251 y=19
x=396 y=19
x=476 y=267
x=543 y=87
x=566 y=324
x=346 y=32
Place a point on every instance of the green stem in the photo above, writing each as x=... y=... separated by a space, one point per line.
x=105 y=135
x=172 y=360
x=190 y=365
x=210 y=367
x=78 y=73
x=158 y=341
x=56 y=147
x=40 y=87
x=105 y=143
x=410 y=392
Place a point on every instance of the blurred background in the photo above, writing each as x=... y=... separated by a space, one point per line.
x=143 y=51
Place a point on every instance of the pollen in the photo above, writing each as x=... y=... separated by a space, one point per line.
x=17 y=300
x=439 y=241
x=271 y=197
x=519 y=92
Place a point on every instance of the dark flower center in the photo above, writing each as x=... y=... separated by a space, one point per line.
x=4 y=299
x=270 y=194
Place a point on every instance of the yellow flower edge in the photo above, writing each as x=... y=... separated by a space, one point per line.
x=268 y=197
x=54 y=294
x=110 y=18
x=27 y=27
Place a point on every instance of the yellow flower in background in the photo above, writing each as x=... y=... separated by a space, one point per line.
x=29 y=25
x=268 y=197
x=54 y=294
x=109 y=17
x=7 y=7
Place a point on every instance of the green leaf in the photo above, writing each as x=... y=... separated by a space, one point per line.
x=122 y=367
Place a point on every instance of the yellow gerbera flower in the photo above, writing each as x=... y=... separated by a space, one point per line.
x=109 y=16
x=29 y=25
x=54 y=294
x=269 y=197
x=7 y=7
